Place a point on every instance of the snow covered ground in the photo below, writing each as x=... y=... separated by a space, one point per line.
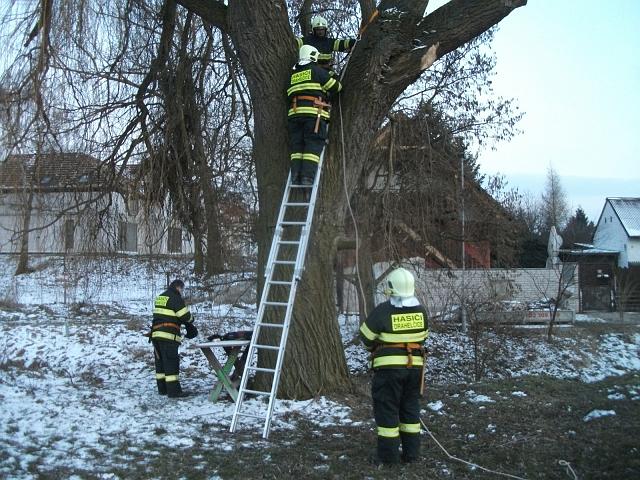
x=77 y=383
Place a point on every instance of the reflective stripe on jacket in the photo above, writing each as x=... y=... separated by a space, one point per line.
x=387 y=332
x=309 y=82
x=326 y=46
x=169 y=312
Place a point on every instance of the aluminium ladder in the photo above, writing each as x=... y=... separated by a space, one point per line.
x=291 y=237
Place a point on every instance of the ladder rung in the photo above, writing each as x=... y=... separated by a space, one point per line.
x=279 y=282
x=289 y=222
x=242 y=414
x=271 y=325
x=260 y=369
x=285 y=262
x=301 y=186
x=267 y=347
x=256 y=392
x=296 y=204
x=277 y=304
x=289 y=242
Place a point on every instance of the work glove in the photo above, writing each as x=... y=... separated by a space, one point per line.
x=192 y=331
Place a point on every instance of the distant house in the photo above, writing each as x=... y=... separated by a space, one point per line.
x=618 y=229
x=74 y=203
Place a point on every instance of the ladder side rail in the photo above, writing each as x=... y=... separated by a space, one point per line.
x=306 y=233
x=261 y=308
x=300 y=260
x=273 y=251
x=279 y=361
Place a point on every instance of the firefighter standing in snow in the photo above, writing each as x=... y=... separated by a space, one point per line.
x=308 y=93
x=395 y=332
x=325 y=45
x=169 y=312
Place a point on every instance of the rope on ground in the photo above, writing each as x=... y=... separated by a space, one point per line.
x=570 y=471
x=471 y=464
x=353 y=217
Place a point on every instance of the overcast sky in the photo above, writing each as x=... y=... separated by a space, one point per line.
x=574 y=68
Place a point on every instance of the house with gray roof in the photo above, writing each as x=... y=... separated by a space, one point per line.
x=74 y=203
x=618 y=230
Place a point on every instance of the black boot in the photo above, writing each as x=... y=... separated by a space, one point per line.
x=182 y=394
x=410 y=447
x=162 y=387
x=388 y=450
x=174 y=390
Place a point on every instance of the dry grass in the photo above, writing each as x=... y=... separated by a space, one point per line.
x=531 y=435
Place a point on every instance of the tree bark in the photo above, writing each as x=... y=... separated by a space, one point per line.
x=383 y=64
x=365 y=276
x=23 y=259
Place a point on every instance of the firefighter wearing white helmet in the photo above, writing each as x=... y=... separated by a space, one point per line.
x=309 y=91
x=395 y=333
x=325 y=45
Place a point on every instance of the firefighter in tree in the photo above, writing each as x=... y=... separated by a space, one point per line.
x=308 y=92
x=325 y=45
x=395 y=333
x=169 y=312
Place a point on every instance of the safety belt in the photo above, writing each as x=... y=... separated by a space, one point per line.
x=317 y=102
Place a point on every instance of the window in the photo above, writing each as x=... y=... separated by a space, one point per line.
x=69 y=230
x=174 y=240
x=128 y=237
x=46 y=180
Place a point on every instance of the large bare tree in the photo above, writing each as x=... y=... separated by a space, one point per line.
x=394 y=51
x=397 y=45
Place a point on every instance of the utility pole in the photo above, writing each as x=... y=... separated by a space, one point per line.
x=464 y=286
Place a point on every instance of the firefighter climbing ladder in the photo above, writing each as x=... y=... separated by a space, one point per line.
x=291 y=237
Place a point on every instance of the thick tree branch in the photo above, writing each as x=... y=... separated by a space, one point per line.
x=367 y=7
x=304 y=18
x=446 y=29
x=212 y=11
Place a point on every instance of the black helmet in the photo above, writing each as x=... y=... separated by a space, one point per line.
x=176 y=284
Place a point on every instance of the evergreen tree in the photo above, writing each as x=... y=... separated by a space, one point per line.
x=579 y=229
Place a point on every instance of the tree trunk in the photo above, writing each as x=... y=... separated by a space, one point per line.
x=23 y=259
x=198 y=254
x=383 y=64
x=365 y=276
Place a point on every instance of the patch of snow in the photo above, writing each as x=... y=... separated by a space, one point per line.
x=93 y=390
x=478 y=398
x=585 y=318
x=593 y=414
x=616 y=396
x=518 y=394
x=491 y=428
x=435 y=406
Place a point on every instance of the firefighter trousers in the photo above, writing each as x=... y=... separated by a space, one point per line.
x=167 y=362
x=396 y=408
x=306 y=146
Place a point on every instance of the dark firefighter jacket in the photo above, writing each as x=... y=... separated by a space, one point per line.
x=395 y=334
x=169 y=312
x=326 y=46
x=309 y=82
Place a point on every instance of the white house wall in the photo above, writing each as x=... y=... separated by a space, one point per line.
x=633 y=251
x=611 y=235
x=93 y=233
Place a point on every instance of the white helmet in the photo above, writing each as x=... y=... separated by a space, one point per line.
x=307 y=54
x=319 y=22
x=400 y=283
